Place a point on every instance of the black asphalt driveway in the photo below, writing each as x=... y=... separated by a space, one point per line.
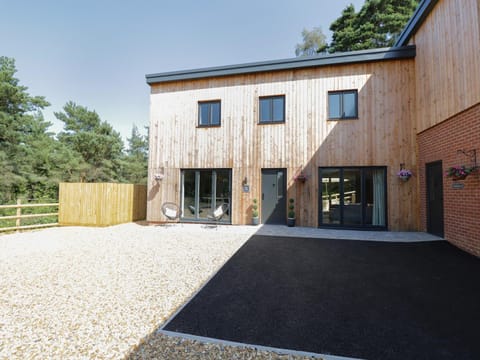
x=348 y=298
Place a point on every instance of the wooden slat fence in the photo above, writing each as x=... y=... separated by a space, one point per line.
x=101 y=204
x=19 y=216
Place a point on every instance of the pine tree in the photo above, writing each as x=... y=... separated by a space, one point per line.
x=343 y=37
x=34 y=161
x=376 y=25
x=97 y=144
x=20 y=120
x=135 y=162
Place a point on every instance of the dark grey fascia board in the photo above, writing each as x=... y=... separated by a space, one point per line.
x=404 y=52
x=417 y=19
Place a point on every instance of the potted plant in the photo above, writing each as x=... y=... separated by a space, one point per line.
x=459 y=172
x=255 y=219
x=291 y=213
x=404 y=174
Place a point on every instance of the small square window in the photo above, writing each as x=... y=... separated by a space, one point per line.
x=209 y=113
x=272 y=109
x=343 y=104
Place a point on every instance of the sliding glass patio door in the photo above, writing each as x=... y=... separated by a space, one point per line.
x=352 y=197
x=203 y=191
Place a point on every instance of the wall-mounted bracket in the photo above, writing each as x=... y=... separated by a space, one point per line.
x=470 y=154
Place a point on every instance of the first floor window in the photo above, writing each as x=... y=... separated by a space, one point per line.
x=272 y=109
x=209 y=113
x=353 y=196
x=203 y=191
x=343 y=104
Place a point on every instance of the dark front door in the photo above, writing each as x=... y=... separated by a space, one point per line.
x=435 y=198
x=273 y=196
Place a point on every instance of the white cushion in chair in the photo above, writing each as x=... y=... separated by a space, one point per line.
x=170 y=213
x=218 y=212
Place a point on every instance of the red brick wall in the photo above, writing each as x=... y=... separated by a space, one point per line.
x=461 y=207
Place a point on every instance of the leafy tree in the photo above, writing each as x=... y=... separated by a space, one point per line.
x=376 y=25
x=314 y=41
x=99 y=146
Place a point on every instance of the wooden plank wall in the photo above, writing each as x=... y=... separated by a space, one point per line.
x=447 y=64
x=101 y=204
x=383 y=135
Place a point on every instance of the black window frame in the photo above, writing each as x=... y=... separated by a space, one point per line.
x=210 y=113
x=363 y=225
x=197 y=194
x=342 y=93
x=271 y=109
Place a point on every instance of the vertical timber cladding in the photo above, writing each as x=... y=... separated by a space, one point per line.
x=447 y=64
x=383 y=134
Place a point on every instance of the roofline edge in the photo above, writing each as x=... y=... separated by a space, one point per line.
x=417 y=19
x=393 y=53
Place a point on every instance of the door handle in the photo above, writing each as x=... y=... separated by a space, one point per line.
x=263 y=196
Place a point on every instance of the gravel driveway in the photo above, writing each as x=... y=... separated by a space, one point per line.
x=76 y=292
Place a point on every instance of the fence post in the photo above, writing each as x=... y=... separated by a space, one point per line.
x=19 y=213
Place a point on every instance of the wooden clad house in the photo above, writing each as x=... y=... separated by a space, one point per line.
x=330 y=132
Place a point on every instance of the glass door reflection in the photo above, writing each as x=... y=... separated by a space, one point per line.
x=353 y=196
x=203 y=191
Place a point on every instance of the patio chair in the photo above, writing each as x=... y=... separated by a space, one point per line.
x=192 y=210
x=171 y=210
x=218 y=213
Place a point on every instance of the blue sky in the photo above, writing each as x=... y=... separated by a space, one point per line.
x=97 y=52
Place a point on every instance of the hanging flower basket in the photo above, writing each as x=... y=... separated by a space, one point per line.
x=459 y=172
x=301 y=177
x=404 y=174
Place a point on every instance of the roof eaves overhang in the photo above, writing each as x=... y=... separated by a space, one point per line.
x=417 y=19
x=394 y=53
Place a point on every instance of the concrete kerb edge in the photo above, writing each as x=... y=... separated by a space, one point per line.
x=279 y=351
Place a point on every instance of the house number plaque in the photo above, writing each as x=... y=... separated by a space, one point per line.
x=458 y=186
